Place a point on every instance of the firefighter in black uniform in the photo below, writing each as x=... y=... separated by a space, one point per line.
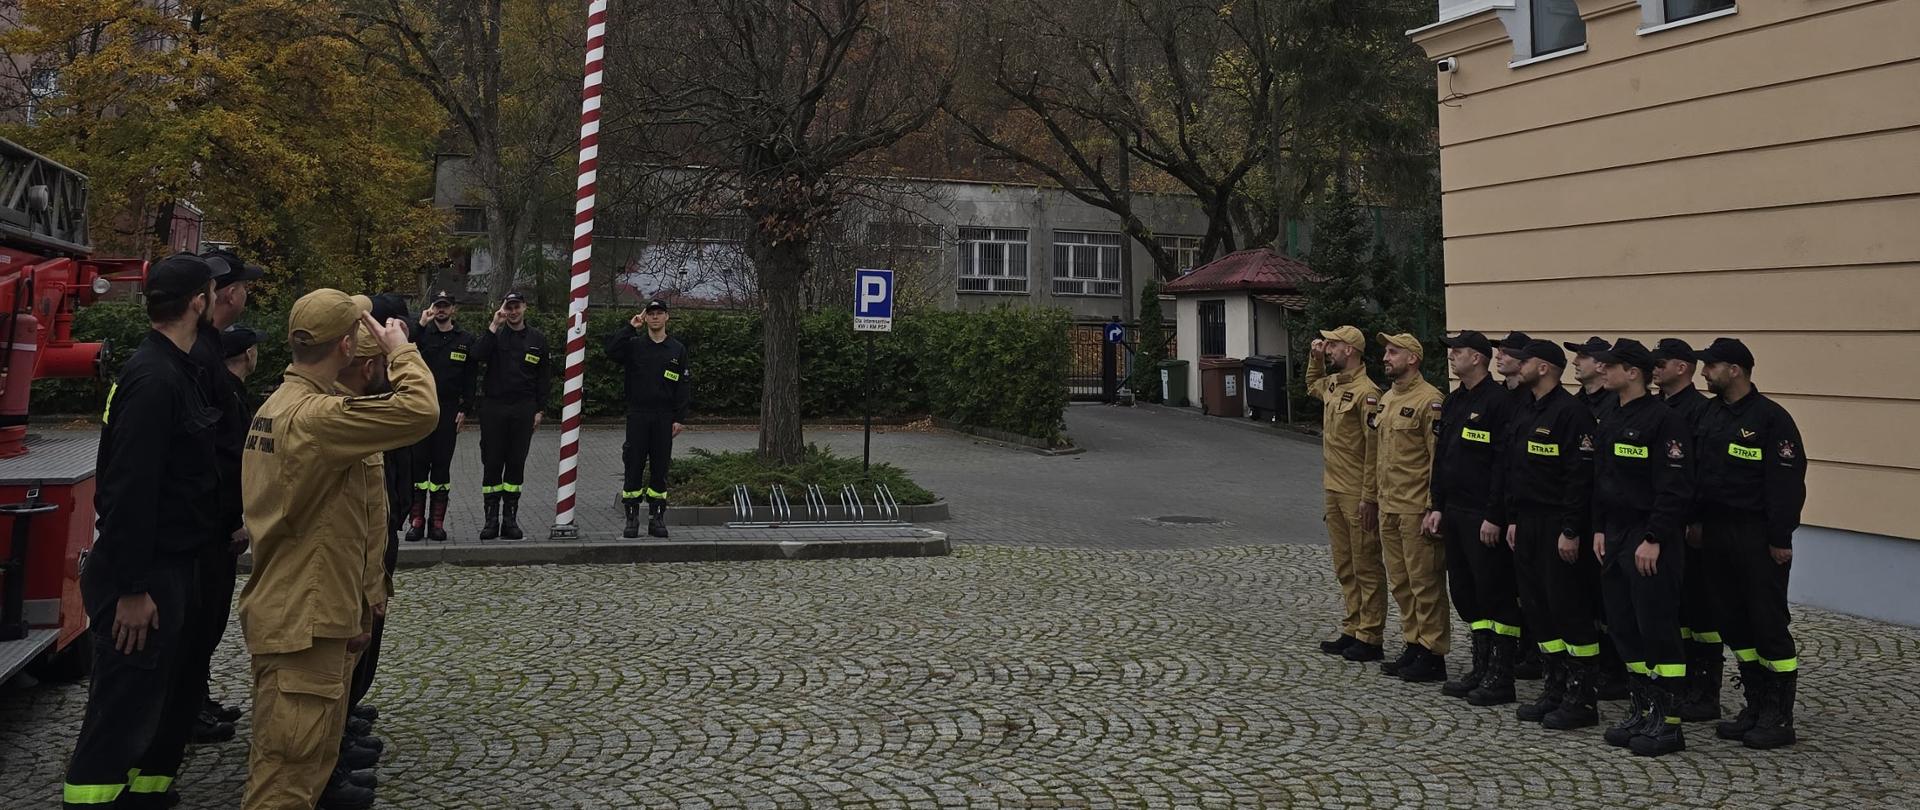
x=1509 y=355
x=1470 y=435
x=1549 y=489
x=1643 y=495
x=158 y=501
x=1673 y=369
x=515 y=388
x=448 y=350
x=658 y=394
x=1611 y=683
x=1753 y=483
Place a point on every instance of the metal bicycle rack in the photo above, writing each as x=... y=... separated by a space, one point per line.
x=878 y=508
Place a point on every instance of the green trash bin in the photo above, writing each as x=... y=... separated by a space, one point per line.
x=1173 y=382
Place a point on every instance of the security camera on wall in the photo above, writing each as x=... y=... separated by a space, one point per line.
x=1447 y=65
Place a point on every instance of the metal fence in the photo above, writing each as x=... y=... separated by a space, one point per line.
x=1087 y=341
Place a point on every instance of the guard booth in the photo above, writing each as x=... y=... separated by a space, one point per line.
x=1239 y=306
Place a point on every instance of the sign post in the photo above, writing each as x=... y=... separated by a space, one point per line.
x=872 y=313
x=1115 y=334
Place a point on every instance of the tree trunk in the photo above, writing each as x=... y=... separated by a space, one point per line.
x=781 y=266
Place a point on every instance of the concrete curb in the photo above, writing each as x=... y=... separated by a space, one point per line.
x=1281 y=429
x=721 y=515
x=1013 y=440
x=754 y=545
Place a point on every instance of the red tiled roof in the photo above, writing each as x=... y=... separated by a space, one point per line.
x=1255 y=270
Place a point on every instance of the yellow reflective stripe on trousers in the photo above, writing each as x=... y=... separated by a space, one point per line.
x=1505 y=629
x=1553 y=646
x=149 y=784
x=491 y=490
x=1638 y=668
x=656 y=494
x=1543 y=449
x=632 y=494
x=1686 y=634
x=1483 y=624
x=1706 y=637
x=91 y=794
x=1748 y=655
x=1670 y=670
x=1583 y=650
x=510 y=488
x=1472 y=435
x=1782 y=665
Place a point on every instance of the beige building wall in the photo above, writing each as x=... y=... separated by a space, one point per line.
x=1755 y=175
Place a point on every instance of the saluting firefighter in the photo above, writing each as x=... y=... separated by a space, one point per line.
x=516 y=388
x=1673 y=369
x=658 y=395
x=1467 y=515
x=1549 y=508
x=1643 y=494
x=1348 y=398
x=448 y=350
x=1399 y=501
x=1753 y=483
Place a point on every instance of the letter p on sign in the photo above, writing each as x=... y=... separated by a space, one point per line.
x=873 y=301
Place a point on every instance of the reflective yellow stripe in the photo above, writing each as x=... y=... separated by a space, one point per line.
x=1748 y=453
x=1686 y=634
x=1670 y=670
x=1638 y=668
x=1583 y=650
x=1475 y=435
x=1553 y=646
x=456 y=355
x=1543 y=449
x=509 y=487
x=656 y=494
x=492 y=490
x=673 y=375
x=1505 y=629
x=1706 y=637
x=91 y=794
x=150 y=784
x=632 y=494
x=1629 y=451
x=1483 y=624
x=1783 y=665
x=108 y=410
x=1748 y=655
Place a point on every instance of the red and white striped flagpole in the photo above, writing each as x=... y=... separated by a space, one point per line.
x=574 y=389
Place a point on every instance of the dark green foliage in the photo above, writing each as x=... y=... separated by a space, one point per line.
x=706 y=478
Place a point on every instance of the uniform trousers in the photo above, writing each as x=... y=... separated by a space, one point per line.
x=1358 y=567
x=1417 y=574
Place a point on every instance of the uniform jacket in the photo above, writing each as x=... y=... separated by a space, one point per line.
x=313 y=484
x=1643 y=472
x=449 y=355
x=1403 y=444
x=230 y=398
x=1345 y=400
x=518 y=365
x=1549 y=461
x=656 y=373
x=1470 y=440
x=1752 y=461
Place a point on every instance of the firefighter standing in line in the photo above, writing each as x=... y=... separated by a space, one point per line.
x=448 y=350
x=157 y=501
x=515 y=389
x=1611 y=684
x=1471 y=438
x=309 y=481
x=1673 y=370
x=1509 y=355
x=1398 y=502
x=1549 y=492
x=1753 y=483
x=658 y=395
x=1643 y=494
x=1348 y=398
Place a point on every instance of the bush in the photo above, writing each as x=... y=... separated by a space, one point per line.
x=707 y=478
x=1004 y=369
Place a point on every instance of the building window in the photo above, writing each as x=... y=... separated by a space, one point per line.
x=1659 y=14
x=1185 y=250
x=1086 y=263
x=469 y=219
x=44 y=84
x=993 y=260
x=1213 y=328
x=1556 y=26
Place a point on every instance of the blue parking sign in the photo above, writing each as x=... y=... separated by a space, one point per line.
x=872 y=300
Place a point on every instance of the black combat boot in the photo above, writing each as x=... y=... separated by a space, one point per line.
x=1482 y=649
x=491 y=528
x=1551 y=693
x=437 y=517
x=1338 y=645
x=209 y=729
x=632 y=528
x=510 y=516
x=417 y=516
x=1639 y=706
x=657 y=519
x=1531 y=665
x=1774 y=727
x=1611 y=679
x=342 y=794
x=1661 y=734
x=1752 y=680
x=1408 y=655
x=1430 y=667
x=1361 y=651
x=1577 y=709
x=220 y=712
x=1704 y=669
x=1496 y=686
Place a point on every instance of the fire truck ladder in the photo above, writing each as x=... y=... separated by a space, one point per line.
x=877 y=508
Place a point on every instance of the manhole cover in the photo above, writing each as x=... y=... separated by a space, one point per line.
x=1185 y=520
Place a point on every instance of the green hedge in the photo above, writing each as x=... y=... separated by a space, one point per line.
x=1004 y=369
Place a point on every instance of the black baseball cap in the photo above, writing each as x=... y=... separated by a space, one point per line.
x=229 y=269
x=1627 y=352
x=512 y=297
x=1544 y=350
x=1469 y=339
x=656 y=304
x=1672 y=349
x=1593 y=347
x=177 y=277
x=236 y=339
x=389 y=305
x=445 y=297
x=1514 y=342
x=1726 y=350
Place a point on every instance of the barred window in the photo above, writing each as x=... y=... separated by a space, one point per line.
x=1086 y=263
x=992 y=260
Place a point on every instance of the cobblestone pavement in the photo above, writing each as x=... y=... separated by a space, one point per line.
x=1258 y=487
x=998 y=677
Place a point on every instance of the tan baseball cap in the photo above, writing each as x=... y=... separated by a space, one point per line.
x=325 y=315
x=1350 y=335
x=1404 y=341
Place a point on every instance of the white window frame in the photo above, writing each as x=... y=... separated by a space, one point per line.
x=1517 y=17
x=1181 y=245
x=1653 y=17
x=1071 y=276
x=970 y=277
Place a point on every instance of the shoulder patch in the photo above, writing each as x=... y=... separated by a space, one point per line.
x=1406 y=411
x=1675 y=450
x=1787 y=449
x=1586 y=442
x=1373 y=400
x=1436 y=406
x=1346 y=396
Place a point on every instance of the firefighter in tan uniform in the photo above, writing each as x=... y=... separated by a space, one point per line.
x=1346 y=397
x=1403 y=442
x=310 y=481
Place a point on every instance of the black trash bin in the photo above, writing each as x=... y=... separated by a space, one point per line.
x=1266 y=386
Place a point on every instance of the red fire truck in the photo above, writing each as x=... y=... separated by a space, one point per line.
x=47 y=272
